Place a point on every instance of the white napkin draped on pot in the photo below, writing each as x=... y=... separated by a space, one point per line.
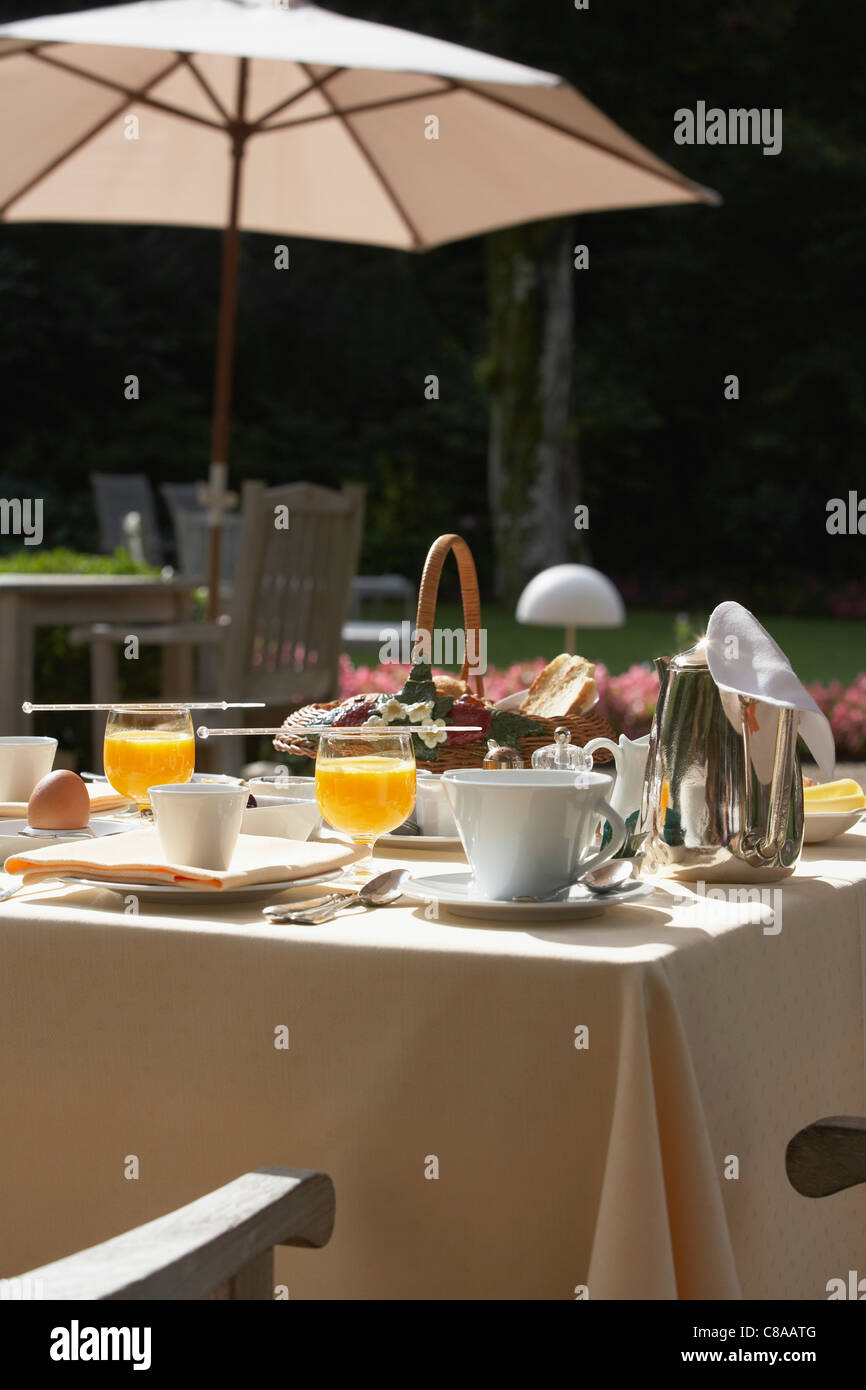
x=744 y=660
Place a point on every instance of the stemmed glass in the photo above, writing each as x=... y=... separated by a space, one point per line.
x=365 y=786
x=145 y=746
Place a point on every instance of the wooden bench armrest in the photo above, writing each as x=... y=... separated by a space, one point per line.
x=192 y=1252
x=827 y=1156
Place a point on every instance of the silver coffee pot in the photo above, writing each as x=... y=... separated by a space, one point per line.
x=707 y=812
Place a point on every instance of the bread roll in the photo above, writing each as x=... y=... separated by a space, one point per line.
x=565 y=687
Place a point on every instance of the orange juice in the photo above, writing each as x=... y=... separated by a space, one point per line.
x=136 y=759
x=367 y=796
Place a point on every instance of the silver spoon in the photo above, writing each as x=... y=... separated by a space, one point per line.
x=611 y=877
x=384 y=888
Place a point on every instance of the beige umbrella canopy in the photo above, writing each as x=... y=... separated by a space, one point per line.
x=287 y=118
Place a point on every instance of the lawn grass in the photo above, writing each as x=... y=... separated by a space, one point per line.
x=819 y=649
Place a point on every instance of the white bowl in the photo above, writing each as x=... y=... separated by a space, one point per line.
x=826 y=825
x=512 y=701
x=289 y=820
x=284 y=788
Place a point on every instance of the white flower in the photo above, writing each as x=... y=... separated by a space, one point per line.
x=419 y=713
x=388 y=711
x=431 y=739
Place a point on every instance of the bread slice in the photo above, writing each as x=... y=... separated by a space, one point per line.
x=565 y=687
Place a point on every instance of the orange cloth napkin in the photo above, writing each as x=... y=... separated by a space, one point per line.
x=137 y=857
x=102 y=798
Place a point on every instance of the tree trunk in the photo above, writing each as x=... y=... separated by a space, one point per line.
x=533 y=473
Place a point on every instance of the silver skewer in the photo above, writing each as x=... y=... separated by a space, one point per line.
x=359 y=729
x=30 y=708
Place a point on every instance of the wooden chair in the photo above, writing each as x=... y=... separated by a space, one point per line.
x=281 y=639
x=221 y=1246
x=190 y=522
x=373 y=588
x=118 y=494
x=827 y=1156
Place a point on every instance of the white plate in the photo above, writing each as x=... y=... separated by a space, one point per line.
x=444 y=843
x=826 y=825
x=198 y=897
x=458 y=892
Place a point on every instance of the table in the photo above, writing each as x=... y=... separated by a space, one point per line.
x=432 y=1070
x=28 y=601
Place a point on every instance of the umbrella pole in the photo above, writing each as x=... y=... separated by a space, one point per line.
x=226 y=341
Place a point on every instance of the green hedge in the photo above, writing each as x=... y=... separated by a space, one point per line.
x=62 y=672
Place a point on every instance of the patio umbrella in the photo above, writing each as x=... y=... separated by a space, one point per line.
x=289 y=119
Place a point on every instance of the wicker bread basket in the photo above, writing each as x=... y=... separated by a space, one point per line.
x=450 y=755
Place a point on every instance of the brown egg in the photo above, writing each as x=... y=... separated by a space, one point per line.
x=59 y=802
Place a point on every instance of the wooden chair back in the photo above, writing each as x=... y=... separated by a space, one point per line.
x=118 y=494
x=292 y=590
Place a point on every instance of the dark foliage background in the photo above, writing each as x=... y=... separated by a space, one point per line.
x=685 y=489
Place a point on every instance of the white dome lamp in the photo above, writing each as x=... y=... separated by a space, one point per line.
x=573 y=596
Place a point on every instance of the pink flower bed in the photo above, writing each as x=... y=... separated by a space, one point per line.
x=627 y=700
x=846 y=710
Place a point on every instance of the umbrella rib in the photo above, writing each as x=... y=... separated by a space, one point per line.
x=671 y=176
x=208 y=90
x=78 y=144
x=314 y=85
x=450 y=86
x=417 y=240
x=29 y=50
x=133 y=93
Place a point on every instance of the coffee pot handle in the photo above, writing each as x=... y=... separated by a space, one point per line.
x=617 y=840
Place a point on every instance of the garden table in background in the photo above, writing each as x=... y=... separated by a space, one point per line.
x=431 y=1068
x=28 y=601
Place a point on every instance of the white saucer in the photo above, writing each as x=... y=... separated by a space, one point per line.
x=826 y=825
x=198 y=897
x=12 y=841
x=458 y=892
x=445 y=843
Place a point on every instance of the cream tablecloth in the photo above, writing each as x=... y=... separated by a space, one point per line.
x=412 y=1040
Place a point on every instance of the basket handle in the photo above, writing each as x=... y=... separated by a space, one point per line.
x=428 y=593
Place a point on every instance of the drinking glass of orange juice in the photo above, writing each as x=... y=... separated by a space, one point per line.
x=146 y=746
x=365 y=785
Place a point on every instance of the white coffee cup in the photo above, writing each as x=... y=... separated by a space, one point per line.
x=527 y=833
x=199 y=823
x=432 y=808
x=24 y=761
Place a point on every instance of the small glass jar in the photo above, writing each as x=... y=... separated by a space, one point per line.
x=562 y=755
